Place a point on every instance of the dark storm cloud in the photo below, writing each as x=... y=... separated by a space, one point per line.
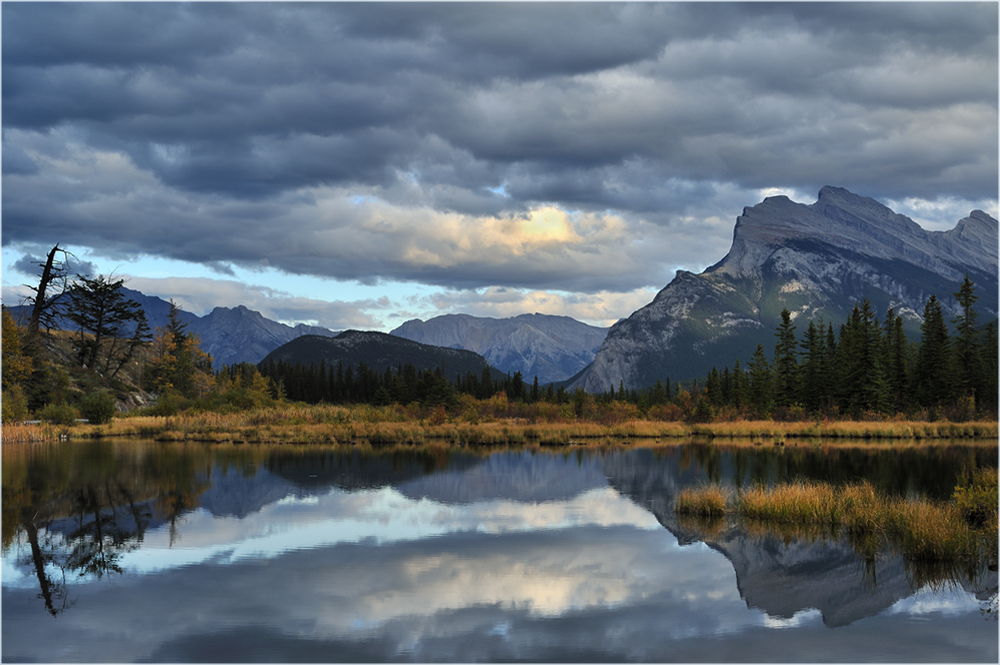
x=198 y=131
x=32 y=266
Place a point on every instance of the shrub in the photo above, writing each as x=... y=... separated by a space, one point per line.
x=98 y=408
x=976 y=497
x=438 y=416
x=59 y=414
x=168 y=404
x=14 y=404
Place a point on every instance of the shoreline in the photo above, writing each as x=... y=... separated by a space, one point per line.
x=380 y=426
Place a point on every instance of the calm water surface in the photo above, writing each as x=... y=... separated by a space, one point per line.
x=131 y=551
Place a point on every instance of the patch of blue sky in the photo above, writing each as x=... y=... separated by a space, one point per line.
x=390 y=303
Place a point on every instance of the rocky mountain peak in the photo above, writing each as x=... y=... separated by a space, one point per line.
x=843 y=220
x=815 y=260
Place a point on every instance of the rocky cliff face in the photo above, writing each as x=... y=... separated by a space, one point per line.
x=553 y=348
x=816 y=260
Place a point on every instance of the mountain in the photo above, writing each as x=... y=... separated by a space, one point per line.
x=377 y=350
x=235 y=335
x=553 y=348
x=229 y=335
x=816 y=260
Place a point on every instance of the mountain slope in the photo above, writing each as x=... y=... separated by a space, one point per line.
x=235 y=335
x=816 y=260
x=378 y=351
x=553 y=348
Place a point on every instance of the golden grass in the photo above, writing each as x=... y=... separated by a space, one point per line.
x=414 y=424
x=10 y=433
x=793 y=502
x=918 y=528
x=707 y=501
x=849 y=429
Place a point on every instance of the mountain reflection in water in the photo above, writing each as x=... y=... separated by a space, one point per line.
x=144 y=551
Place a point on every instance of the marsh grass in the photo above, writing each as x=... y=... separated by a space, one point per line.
x=767 y=431
x=919 y=529
x=707 y=501
x=486 y=423
x=793 y=502
x=34 y=433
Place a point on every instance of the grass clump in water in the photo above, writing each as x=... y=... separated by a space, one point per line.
x=922 y=530
x=709 y=501
x=793 y=502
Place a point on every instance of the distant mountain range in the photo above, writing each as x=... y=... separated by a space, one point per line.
x=815 y=260
x=378 y=351
x=553 y=348
x=230 y=335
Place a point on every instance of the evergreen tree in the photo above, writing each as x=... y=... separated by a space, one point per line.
x=812 y=369
x=761 y=388
x=179 y=364
x=966 y=348
x=896 y=354
x=932 y=374
x=105 y=316
x=741 y=392
x=988 y=375
x=862 y=380
x=713 y=388
x=659 y=395
x=786 y=362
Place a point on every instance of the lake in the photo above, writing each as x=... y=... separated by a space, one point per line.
x=120 y=551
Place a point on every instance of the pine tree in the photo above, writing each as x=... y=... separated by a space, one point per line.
x=741 y=392
x=713 y=388
x=812 y=369
x=932 y=373
x=862 y=382
x=988 y=354
x=786 y=362
x=105 y=317
x=761 y=389
x=966 y=349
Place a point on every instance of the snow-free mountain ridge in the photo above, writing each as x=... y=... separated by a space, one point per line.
x=553 y=348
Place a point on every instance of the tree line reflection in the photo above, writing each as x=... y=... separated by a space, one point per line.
x=73 y=510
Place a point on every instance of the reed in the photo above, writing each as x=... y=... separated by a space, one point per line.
x=920 y=529
x=483 y=421
x=848 y=429
x=928 y=531
x=17 y=433
x=707 y=501
x=792 y=502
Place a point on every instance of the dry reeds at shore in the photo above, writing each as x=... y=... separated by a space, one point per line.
x=324 y=423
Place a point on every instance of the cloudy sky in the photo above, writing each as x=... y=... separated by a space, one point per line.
x=358 y=165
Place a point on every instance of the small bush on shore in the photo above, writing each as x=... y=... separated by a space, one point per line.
x=59 y=414
x=98 y=408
